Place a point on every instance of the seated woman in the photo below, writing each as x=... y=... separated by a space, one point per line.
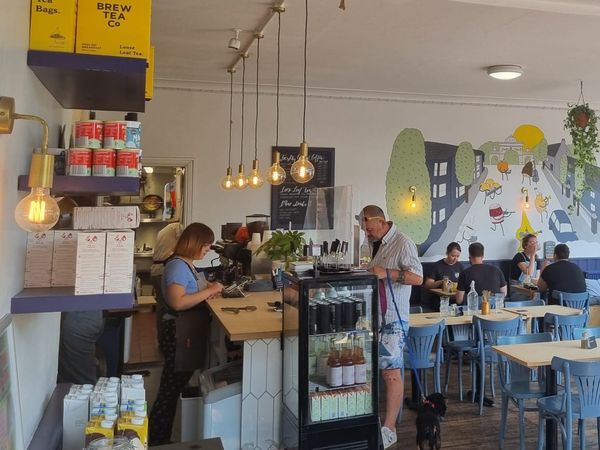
x=524 y=264
x=446 y=267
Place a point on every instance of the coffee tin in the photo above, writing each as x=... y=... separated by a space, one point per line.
x=79 y=162
x=89 y=133
x=104 y=162
x=129 y=162
x=114 y=134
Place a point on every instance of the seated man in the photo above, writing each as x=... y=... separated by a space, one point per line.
x=449 y=267
x=486 y=277
x=561 y=275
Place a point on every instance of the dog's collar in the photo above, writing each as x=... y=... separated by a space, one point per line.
x=428 y=402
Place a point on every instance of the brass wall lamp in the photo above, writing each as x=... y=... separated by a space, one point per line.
x=38 y=211
x=413 y=197
x=526 y=192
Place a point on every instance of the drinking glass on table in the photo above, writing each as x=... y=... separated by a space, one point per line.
x=499 y=301
x=444 y=306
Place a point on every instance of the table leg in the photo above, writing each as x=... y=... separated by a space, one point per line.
x=551 y=431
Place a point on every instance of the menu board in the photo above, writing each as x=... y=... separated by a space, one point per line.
x=290 y=200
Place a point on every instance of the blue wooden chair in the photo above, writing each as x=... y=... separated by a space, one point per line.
x=562 y=326
x=591 y=331
x=424 y=345
x=519 y=383
x=458 y=340
x=581 y=404
x=487 y=333
x=535 y=326
x=573 y=300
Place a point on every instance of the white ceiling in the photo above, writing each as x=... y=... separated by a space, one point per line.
x=429 y=47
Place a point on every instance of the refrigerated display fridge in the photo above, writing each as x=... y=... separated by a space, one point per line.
x=330 y=389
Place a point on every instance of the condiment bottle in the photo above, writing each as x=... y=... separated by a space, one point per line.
x=485 y=306
x=584 y=339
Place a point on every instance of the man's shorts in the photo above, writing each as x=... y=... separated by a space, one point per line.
x=391 y=345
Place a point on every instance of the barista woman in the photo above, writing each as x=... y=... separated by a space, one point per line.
x=183 y=289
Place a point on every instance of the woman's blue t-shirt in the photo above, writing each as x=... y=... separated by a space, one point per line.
x=179 y=272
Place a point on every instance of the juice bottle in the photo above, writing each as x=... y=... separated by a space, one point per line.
x=360 y=364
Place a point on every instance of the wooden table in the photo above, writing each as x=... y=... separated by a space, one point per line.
x=523 y=290
x=442 y=293
x=423 y=319
x=534 y=312
x=540 y=355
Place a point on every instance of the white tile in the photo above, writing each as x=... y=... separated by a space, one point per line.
x=265 y=420
x=258 y=381
x=274 y=367
x=249 y=421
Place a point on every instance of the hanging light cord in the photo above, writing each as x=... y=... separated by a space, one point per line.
x=581 y=93
x=305 y=39
x=243 y=93
x=277 y=95
x=230 y=114
x=256 y=121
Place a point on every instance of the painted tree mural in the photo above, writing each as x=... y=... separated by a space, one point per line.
x=487 y=148
x=540 y=151
x=563 y=172
x=465 y=166
x=407 y=167
x=511 y=157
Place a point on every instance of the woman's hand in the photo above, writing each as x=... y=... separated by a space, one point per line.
x=216 y=288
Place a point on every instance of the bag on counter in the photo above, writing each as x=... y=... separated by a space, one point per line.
x=192 y=332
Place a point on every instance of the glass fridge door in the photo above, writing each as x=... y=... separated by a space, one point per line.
x=341 y=345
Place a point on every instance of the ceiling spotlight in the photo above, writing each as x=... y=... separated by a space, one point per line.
x=234 y=42
x=509 y=72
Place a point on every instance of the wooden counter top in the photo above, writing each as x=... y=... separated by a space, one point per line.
x=263 y=323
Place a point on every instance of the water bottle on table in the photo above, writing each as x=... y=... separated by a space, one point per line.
x=472 y=300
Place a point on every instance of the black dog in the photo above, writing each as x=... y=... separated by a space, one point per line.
x=431 y=412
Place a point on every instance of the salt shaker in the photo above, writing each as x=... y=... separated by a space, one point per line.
x=584 y=339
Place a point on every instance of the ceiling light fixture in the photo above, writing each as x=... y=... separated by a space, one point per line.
x=276 y=174
x=302 y=170
x=227 y=182
x=255 y=180
x=506 y=72
x=234 y=42
x=240 y=180
x=38 y=211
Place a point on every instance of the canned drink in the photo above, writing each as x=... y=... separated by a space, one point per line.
x=79 y=162
x=133 y=134
x=336 y=315
x=89 y=133
x=104 y=162
x=114 y=134
x=360 y=308
x=348 y=321
x=324 y=317
x=129 y=163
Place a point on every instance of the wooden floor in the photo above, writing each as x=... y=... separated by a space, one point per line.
x=144 y=344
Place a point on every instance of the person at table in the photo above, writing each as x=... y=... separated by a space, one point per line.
x=487 y=278
x=449 y=267
x=561 y=275
x=396 y=263
x=524 y=264
x=183 y=288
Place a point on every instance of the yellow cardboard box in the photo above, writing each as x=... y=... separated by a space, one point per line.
x=149 y=88
x=52 y=25
x=114 y=28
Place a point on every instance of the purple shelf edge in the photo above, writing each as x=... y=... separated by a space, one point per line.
x=39 y=300
x=88 y=185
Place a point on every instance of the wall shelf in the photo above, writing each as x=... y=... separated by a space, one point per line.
x=96 y=82
x=58 y=299
x=157 y=220
x=89 y=185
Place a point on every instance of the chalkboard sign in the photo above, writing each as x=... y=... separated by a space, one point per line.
x=290 y=200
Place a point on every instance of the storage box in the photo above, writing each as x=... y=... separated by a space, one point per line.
x=114 y=28
x=118 y=272
x=64 y=257
x=52 y=25
x=38 y=259
x=106 y=217
x=149 y=86
x=89 y=272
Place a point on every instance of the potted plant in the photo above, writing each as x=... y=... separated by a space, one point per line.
x=283 y=246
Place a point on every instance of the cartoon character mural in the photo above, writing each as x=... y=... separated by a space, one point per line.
x=541 y=205
x=503 y=168
x=524 y=229
x=497 y=216
x=491 y=188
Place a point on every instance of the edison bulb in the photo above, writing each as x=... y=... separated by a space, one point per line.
x=302 y=170
x=240 y=179
x=254 y=179
x=38 y=211
x=228 y=181
x=276 y=174
x=413 y=204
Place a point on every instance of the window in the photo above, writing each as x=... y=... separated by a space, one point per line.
x=442 y=190
x=434 y=191
x=592 y=194
x=460 y=191
x=436 y=169
x=442 y=214
x=592 y=207
x=443 y=168
x=433 y=216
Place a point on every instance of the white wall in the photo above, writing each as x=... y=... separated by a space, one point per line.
x=36 y=335
x=192 y=121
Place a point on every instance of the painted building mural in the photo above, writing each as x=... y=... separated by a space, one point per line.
x=494 y=194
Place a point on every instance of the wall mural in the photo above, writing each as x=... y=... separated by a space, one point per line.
x=495 y=194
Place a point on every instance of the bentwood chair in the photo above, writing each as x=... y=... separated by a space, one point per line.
x=581 y=404
x=591 y=331
x=519 y=383
x=573 y=300
x=487 y=334
x=424 y=351
x=535 y=327
x=563 y=326
x=458 y=340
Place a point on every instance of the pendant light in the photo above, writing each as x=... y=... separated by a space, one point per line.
x=240 y=179
x=302 y=170
x=255 y=180
x=227 y=182
x=276 y=174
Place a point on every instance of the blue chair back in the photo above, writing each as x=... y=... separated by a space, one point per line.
x=586 y=375
x=488 y=331
x=564 y=325
x=513 y=371
x=461 y=332
x=573 y=300
x=421 y=342
x=592 y=331
x=415 y=310
x=523 y=303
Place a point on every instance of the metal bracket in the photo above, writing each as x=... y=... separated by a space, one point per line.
x=7 y=114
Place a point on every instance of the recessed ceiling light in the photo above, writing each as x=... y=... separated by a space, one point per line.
x=507 y=72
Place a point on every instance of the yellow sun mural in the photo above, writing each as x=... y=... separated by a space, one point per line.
x=528 y=135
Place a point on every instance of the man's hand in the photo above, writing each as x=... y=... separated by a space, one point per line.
x=379 y=271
